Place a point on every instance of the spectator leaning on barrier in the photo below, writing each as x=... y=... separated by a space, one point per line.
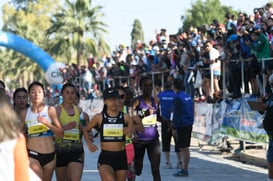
x=245 y=55
x=260 y=45
x=87 y=79
x=189 y=72
x=234 y=66
x=215 y=67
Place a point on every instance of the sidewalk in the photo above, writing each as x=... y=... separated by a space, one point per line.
x=253 y=154
x=211 y=164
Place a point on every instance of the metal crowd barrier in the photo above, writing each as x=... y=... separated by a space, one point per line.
x=264 y=81
x=152 y=74
x=264 y=77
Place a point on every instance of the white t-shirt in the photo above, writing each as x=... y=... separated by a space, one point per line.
x=216 y=66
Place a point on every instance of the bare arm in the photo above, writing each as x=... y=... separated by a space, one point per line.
x=134 y=104
x=86 y=118
x=56 y=126
x=136 y=119
x=138 y=124
x=22 y=118
x=129 y=129
x=95 y=121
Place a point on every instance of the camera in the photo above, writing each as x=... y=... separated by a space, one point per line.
x=255 y=10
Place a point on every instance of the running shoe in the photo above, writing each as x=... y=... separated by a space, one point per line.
x=168 y=165
x=179 y=165
x=181 y=173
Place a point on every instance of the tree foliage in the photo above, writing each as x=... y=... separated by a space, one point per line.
x=77 y=30
x=205 y=12
x=137 y=33
x=65 y=29
x=28 y=19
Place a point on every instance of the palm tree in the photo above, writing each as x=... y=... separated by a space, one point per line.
x=77 y=29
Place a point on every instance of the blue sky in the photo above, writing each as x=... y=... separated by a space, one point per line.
x=153 y=14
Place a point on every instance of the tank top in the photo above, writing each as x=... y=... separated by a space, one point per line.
x=111 y=128
x=71 y=140
x=34 y=127
x=148 y=120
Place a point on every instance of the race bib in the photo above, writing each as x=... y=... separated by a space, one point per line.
x=34 y=127
x=72 y=134
x=113 y=130
x=149 y=120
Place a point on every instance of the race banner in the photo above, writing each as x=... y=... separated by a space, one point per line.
x=202 y=127
x=243 y=123
x=232 y=118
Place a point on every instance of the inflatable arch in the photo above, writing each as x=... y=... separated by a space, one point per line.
x=27 y=48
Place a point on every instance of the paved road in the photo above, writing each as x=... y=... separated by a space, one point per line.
x=205 y=165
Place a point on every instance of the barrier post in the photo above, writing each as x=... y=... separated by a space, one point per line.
x=263 y=75
x=243 y=77
x=211 y=80
x=224 y=80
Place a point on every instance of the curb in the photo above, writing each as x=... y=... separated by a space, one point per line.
x=254 y=157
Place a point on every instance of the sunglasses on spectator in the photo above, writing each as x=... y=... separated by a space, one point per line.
x=122 y=96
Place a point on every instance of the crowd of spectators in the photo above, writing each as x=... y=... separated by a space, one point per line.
x=220 y=50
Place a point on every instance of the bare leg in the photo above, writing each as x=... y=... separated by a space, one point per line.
x=270 y=170
x=186 y=157
x=167 y=157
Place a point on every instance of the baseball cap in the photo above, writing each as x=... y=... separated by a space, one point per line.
x=232 y=37
x=110 y=93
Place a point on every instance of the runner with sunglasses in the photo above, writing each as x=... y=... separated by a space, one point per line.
x=113 y=125
x=129 y=146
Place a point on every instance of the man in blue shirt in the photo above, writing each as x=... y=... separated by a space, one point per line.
x=183 y=117
x=166 y=111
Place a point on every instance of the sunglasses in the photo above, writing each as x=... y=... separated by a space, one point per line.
x=122 y=96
